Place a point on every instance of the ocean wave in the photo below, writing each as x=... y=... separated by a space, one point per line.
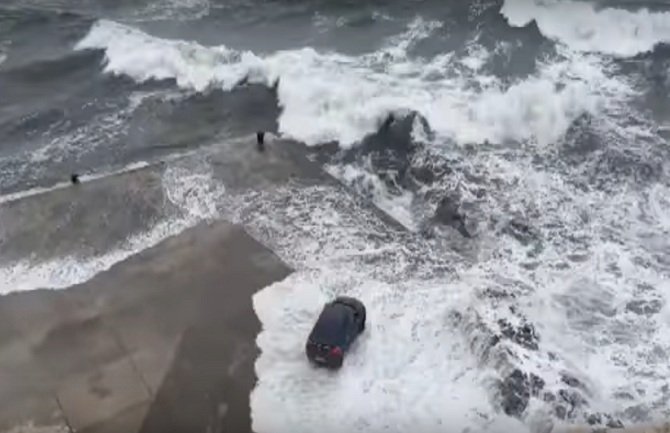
x=334 y=97
x=562 y=295
x=584 y=27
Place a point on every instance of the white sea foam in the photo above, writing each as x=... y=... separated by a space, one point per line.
x=410 y=370
x=366 y=183
x=331 y=96
x=593 y=284
x=582 y=26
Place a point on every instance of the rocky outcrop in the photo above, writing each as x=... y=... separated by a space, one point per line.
x=516 y=390
x=523 y=335
x=644 y=307
x=448 y=213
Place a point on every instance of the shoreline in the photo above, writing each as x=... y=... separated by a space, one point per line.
x=165 y=339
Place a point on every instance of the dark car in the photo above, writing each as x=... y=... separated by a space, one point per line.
x=338 y=326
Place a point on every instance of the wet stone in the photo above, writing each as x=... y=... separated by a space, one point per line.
x=594 y=419
x=515 y=391
x=523 y=335
x=520 y=231
x=560 y=412
x=497 y=294
x=603 y=419
x=548 y=397
x=644 y=307
x=614 y=423
x=448 y=213
x=638 y=413
x=536 y=384
x=573 y=399
x=624 y=395
x=423 y=174
x=571 y=381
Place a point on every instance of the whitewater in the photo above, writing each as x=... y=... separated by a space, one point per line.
x=561 y=294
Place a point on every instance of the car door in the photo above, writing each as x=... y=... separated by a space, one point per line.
x=357 y=321
x=350 y=329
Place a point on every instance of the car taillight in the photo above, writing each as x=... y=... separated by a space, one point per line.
x=336 y=351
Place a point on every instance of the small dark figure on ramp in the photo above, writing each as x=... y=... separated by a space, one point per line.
x=260 y=140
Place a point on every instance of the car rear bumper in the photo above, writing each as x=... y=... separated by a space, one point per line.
x=323 y=358
x=327 y=362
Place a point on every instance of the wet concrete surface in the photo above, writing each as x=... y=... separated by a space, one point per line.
x=84 y=219
x=162 y=342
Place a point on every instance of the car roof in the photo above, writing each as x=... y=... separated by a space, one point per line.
x=332 y=324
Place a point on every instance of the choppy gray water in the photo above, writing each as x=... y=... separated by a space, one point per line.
x=527 y=138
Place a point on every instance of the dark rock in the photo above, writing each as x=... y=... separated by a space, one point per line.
x=573 y=399
x=389 y=150
x=515 y=393
x=571 y=381
x=495 y=339
x=497 y=294
x=524 y=335
x=448 y=213
x=581 y=139
x=560 y=412
x=599 y=419
x=623 y=395
x=645 y=287
x=423 y=174
x=638 y=413
x=536 y=384
x=456 y=317
x=520 y=231
x=594 y=419
x=614 y=423
x=548 y=397
x=644 y=307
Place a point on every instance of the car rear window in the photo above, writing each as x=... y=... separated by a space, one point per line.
x=332 y=325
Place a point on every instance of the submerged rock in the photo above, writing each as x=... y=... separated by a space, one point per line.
x=423 y=174
x=516 y=390
x=497 y=294
x=573 y=401
x=523 y=335
x=515 y=393
x=448 y=213
x=520 y=231
x=599 y=419
x=572 y=381
x=644 y=307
